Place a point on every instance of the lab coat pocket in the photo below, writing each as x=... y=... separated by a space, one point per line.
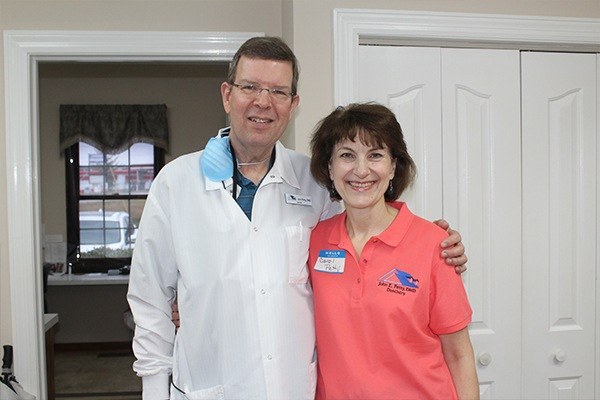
x=213 y=393
x=297 y=241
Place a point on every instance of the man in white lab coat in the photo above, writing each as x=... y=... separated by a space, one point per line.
x=227 y=230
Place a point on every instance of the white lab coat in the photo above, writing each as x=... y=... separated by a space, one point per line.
x=246 y=310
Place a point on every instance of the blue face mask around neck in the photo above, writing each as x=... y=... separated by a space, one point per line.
x=216 y=162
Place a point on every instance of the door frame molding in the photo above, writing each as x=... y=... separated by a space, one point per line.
x=23 y=50
x=352 y=27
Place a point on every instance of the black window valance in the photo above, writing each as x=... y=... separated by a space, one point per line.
x=112 y=128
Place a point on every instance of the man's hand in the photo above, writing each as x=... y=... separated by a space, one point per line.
x=175 y=314
x=453 y=251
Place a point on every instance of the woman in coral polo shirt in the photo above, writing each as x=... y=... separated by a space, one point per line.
x=391 y=319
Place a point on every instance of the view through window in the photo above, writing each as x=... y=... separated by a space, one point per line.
x=107 y=198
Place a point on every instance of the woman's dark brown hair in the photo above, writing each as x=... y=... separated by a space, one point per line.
x=376 y=126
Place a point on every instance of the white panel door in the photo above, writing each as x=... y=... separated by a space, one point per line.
x=559 y=225
x=482 y=199
x=407 y=80
x=481 y=177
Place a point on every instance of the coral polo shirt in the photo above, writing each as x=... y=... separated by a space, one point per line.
x=378 y=317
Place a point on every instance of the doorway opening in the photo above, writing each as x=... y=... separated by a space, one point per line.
x=24 y=50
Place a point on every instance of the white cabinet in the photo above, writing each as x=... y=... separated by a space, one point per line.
x=409 y=83
x=506 y=152
x=559 y=225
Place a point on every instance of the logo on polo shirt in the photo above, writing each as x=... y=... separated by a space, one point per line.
x=399 y=282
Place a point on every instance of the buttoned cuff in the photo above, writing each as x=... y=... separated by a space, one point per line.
x=155 y=387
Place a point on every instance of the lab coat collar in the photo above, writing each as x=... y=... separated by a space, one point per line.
x=282 y=169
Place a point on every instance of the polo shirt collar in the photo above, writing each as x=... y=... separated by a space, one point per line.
x=392 y=236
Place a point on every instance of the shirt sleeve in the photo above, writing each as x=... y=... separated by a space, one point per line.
x=449 y=306
x=152 y=285
x=330 y=209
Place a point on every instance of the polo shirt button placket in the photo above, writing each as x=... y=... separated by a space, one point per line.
x=357 y=291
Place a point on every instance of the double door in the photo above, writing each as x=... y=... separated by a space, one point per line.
x=505 y=146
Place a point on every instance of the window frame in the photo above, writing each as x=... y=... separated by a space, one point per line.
x=73 y=196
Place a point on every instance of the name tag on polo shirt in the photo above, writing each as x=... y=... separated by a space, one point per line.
x=298 y=199
x=331 y=261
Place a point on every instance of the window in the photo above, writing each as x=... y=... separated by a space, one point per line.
x=106 y=194
x=112 y=154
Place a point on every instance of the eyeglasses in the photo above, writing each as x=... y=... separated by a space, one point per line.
x=250 y=89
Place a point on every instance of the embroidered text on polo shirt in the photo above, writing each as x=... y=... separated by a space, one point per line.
x=399 y=282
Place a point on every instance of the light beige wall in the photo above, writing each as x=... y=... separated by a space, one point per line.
x=122 y=15
x=313 y=37
x=287 y=24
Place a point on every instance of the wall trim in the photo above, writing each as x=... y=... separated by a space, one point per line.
x=22 y=52
x=352 y=27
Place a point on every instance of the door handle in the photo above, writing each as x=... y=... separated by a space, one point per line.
x=560 y=355
x=484 y=359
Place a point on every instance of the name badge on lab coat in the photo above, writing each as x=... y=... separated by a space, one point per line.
x=331 y=261
x=298 y=199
